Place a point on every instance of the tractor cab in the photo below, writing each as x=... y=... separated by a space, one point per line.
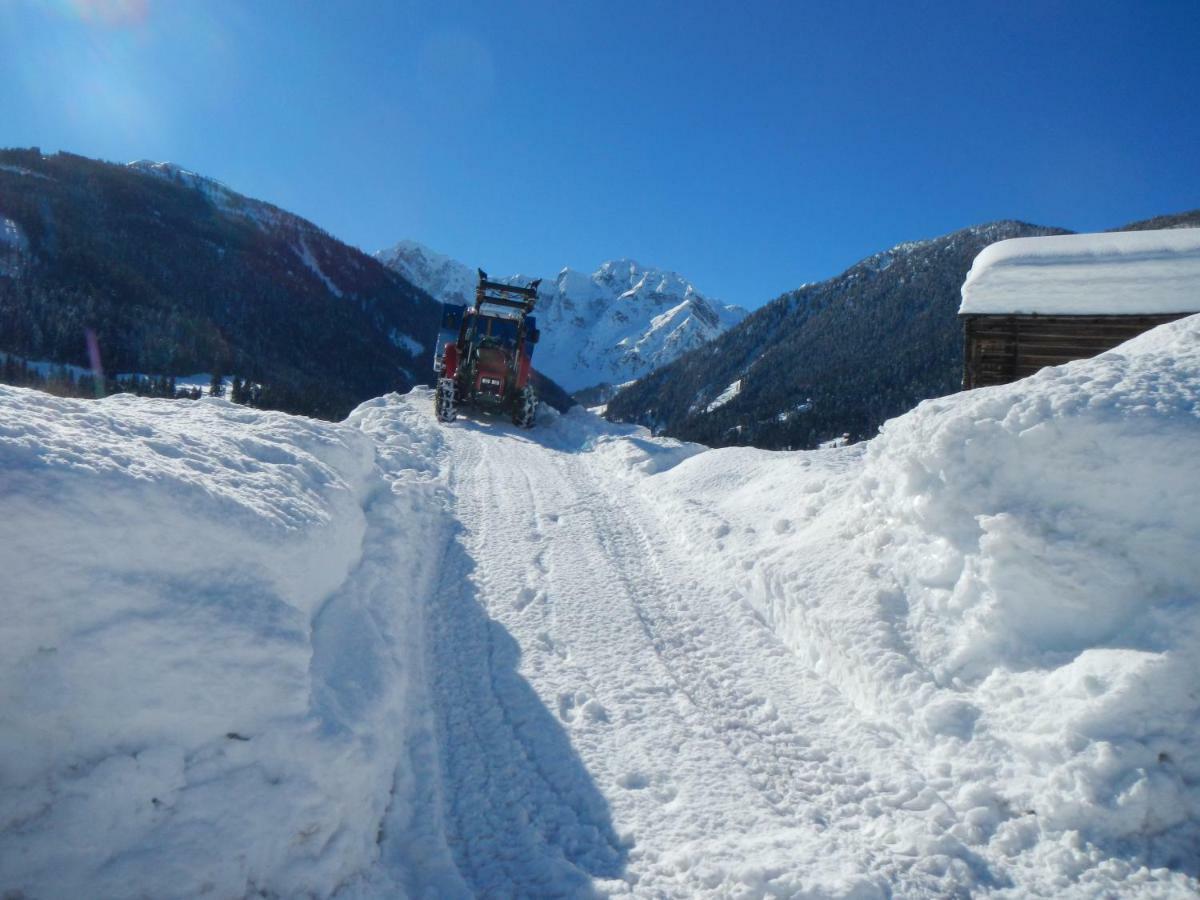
x=494 y=331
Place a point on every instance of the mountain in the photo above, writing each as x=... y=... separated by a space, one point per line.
x=175 y=273
x=609 y=327
x=1190 y=219
x=444 y=278
x=834 y=357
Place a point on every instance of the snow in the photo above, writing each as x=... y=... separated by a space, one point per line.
x=406 y=342
x=306 y=257
x=263 y=215
x=14 y=248
x=21 y=170
x=725 y=396
x=200 y=380
x=251 y=653
x=1114 y=273
x=445 y=279
x=162 y=678
x=45 y=367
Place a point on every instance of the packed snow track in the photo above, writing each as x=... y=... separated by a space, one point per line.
x=601 y=710
x=394 y=658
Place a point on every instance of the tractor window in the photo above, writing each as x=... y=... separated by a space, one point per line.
x=502 y=331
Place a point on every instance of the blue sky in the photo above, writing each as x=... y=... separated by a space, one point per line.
x=750 y=146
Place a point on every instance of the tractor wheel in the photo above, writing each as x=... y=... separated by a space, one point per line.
x=444 y=400
x=525 y=409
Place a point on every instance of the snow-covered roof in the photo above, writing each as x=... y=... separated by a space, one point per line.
x=1114 y=273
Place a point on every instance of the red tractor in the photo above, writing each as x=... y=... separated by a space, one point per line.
x=483 y=353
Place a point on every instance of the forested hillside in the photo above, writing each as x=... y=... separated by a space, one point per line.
x=836 y=357
x=175 y=274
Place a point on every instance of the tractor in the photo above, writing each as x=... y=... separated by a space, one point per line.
x=483 y=353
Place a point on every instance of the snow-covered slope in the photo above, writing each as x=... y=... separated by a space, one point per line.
x=201 y=658
x=612 y=326
x=1007 y=579
x=303 y=235
x=246 y=653
x=264 y=215
x=14 y=248
x=445 y=279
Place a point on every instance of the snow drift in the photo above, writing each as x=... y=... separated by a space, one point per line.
x=200 y=692
x=1043 y=536
x=1007 y=577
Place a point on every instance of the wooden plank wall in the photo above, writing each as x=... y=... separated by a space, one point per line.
x=1000 y=349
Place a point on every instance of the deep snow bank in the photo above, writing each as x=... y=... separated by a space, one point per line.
x=195 y=668
x=1044 y=537
x=1051 y=516
x=1009 y=579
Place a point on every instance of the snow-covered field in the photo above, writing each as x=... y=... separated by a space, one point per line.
x=243 y=653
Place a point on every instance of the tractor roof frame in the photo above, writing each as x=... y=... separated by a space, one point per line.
x=496 y=293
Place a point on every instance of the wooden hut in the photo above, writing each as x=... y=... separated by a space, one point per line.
x=1028 y=303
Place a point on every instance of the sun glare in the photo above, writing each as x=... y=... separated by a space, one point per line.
x=111 y=12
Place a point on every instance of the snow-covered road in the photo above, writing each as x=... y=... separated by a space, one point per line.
x=248 y=654
x=607 y=715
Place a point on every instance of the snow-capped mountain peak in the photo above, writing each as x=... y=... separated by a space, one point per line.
x=444 y=278
x=613 y=325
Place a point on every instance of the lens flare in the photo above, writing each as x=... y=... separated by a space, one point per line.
x=93 y=346
x=112 y=12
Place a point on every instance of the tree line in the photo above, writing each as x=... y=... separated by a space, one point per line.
x=70 y=381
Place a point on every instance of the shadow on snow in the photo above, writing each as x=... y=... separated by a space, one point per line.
x=523 y=815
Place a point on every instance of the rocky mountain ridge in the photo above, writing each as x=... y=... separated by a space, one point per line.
x=611 y=326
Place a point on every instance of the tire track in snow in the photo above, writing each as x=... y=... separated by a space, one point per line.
x=692 y=744
x=788 y=772
x=620 y=568
x=582 y=641
x=808 y=779
x=523 y=816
